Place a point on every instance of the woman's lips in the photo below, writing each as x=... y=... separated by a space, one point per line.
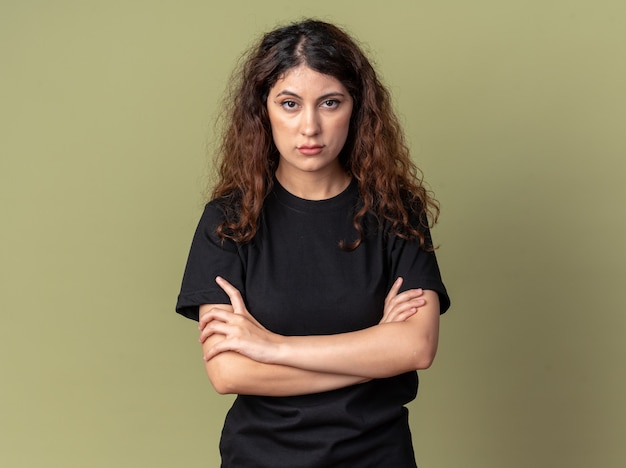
x=310 y=150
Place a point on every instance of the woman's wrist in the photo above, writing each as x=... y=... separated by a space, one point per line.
x=282 y=350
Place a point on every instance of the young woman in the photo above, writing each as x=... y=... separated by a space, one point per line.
x=312 y=271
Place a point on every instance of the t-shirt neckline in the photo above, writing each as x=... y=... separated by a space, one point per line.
x=302 y=204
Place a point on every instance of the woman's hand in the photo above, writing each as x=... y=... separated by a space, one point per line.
x=241 y=331
x=399 y=307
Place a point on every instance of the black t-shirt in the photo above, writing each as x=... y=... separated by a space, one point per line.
x=296 y=280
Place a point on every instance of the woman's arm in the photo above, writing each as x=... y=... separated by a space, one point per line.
x=403 y=341
x=231 y=372
x=381 y=351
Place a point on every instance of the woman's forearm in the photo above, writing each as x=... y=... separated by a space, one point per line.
x=231 y=372
x=381 y=351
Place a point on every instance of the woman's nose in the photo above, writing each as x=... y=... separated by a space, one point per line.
x=310 y=123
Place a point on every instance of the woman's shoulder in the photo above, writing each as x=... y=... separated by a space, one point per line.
x=221 y=207
x=213 y=211
x=213 y=215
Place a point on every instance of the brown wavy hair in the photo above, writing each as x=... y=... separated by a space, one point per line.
x=375 y=153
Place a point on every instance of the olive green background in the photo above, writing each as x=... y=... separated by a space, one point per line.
x=516 y=112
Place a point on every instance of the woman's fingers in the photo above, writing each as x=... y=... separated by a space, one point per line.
x=400 y=306
x=406 y=310
x=204 y=318
x=217 y=348
x=403 y=311
x=214 y=322
x=393 y=291
x=238 y=304
x=233 y=294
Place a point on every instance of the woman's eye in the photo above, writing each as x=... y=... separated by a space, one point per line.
x=330 y=103
x=289 y=104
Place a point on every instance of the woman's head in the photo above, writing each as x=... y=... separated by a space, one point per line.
x=320 y=46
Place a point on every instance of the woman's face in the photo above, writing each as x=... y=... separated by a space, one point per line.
x=310 y=117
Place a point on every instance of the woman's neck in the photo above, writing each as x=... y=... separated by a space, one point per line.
x=314 y=186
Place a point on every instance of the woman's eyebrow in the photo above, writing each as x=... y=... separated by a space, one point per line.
x=286 y=92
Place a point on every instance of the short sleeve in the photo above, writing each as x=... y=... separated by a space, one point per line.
x=209 y=257
x=417 y=267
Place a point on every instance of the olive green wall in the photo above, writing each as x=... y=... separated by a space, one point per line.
x=515 y=111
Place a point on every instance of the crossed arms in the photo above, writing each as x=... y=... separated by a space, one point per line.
x=241 y=356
